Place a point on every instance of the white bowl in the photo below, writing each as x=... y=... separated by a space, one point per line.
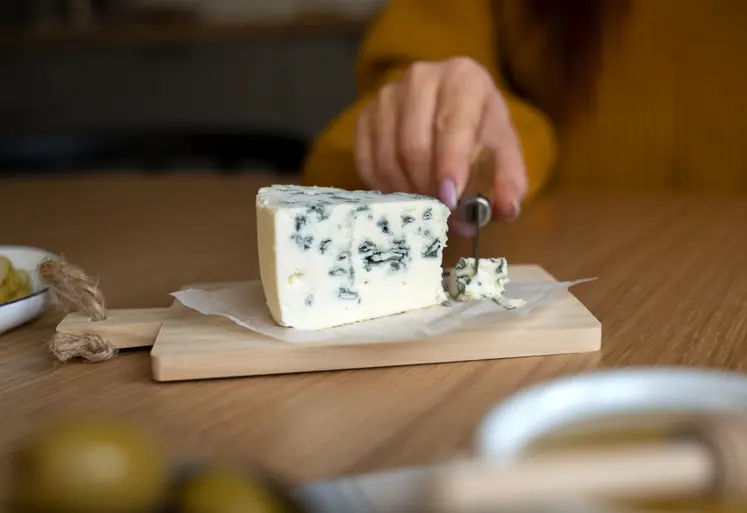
x=510 y=428
x=23 y=310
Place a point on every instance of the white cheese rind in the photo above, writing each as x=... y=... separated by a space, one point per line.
x=464 y=284
x=330 y=257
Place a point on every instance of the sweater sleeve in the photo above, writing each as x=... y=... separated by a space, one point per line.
x=415 y=30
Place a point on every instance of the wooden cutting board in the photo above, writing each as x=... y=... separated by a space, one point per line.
x=189 y=345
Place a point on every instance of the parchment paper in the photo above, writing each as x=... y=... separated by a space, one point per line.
x=244 y=303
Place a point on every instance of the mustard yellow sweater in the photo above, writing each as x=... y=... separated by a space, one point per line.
x=671 y=110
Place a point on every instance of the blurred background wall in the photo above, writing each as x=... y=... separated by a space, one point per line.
x=164 y=84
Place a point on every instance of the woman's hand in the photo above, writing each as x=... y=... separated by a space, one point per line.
x=419 y=135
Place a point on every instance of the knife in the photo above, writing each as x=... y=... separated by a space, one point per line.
x=474 y=207
x=408 y=490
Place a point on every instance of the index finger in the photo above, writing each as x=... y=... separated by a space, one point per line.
x=458 y=117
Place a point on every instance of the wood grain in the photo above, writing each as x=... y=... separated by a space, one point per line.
x=672 y=290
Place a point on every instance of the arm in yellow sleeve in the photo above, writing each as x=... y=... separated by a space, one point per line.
x=415 y=30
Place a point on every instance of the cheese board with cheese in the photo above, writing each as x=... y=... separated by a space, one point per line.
x=331 y=258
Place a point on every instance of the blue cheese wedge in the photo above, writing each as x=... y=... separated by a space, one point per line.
x=330 y=257
x=464 y=283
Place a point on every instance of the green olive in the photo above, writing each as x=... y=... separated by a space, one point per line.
x=222 y=490
x=88 y=466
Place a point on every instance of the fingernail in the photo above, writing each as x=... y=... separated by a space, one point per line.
x=447 y=193
x=514 y=212
x=517 y=209
x=461 y=228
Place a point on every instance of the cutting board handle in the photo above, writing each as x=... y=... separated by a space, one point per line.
x=122 y=329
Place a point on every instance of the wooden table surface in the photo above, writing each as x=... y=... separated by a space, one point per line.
x=672 y=290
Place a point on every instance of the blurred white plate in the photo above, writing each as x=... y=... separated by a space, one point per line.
x=517 y=423
x=23 y=310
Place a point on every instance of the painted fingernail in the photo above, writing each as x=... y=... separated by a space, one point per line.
x=461 y=228
x=447 y=193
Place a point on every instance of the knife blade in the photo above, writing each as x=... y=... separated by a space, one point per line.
x=476 y=242
x=474 y=207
